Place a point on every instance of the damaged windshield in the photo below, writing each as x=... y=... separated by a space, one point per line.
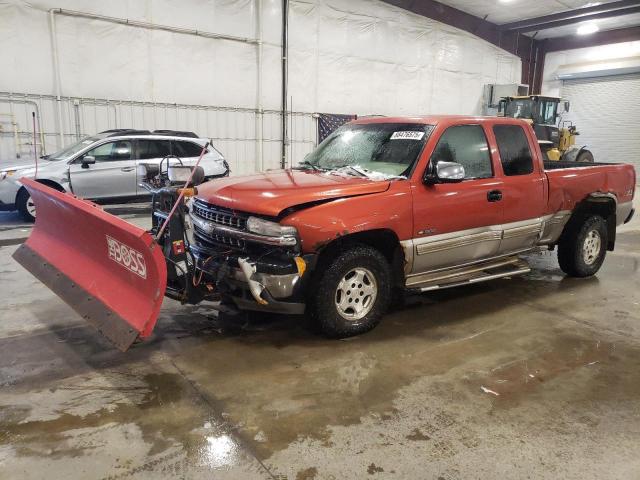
x=378 y=151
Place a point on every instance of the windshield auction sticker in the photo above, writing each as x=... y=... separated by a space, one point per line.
x=407 y=135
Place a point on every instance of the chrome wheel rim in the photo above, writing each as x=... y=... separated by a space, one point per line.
x=356 y=294
x=591 y=247
x=31 y=207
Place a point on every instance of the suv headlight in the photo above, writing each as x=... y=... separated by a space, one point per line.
x=269 y=229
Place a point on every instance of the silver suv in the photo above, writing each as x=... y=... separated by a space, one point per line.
x=104 y=167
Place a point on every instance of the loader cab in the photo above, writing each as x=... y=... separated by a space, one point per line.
x=539 y=109
x=542 y=112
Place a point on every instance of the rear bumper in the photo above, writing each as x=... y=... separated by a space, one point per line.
x=630 y=216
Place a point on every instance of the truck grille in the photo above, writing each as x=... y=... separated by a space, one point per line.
x=219 y=215
x=212 y=239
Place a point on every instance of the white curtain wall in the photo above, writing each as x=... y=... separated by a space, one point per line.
x=345 y=56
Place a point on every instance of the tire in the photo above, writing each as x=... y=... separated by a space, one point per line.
x=583 y=246
x=585 y=156
x=25 y=205
x=352 y=293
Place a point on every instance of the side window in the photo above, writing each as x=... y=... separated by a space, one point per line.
x=513 y=146
x=153 y=149
x=112 y=151
x=466 y=145
x=186 y=149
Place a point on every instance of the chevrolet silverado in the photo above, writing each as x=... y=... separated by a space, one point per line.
x=382 y=205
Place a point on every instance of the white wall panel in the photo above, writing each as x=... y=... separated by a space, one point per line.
x=346 y=56
x=605 y=109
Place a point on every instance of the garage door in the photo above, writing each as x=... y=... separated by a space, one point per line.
x=607 y=113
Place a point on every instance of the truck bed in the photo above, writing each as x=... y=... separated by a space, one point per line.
x=572 y=182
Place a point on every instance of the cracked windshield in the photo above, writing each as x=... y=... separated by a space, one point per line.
x=378 y=151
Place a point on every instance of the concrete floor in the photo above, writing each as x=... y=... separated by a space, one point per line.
x=530 y=377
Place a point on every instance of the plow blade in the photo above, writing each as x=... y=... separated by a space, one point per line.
x=109 y=271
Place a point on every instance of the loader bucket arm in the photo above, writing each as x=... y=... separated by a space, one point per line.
x=109 y=271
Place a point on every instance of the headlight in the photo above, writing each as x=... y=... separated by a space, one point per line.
x=6 y=173
x=269 y=229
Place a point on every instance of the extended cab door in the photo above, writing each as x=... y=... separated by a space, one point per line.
x=523 y=190
x=458 y=223
x=112 y=175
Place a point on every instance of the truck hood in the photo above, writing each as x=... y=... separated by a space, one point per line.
x=272 y=192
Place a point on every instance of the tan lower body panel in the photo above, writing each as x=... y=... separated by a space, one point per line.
x=451 y=250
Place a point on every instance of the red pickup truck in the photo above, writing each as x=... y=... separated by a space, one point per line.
x=382 y=205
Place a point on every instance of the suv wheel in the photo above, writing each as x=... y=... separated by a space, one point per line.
x=583 y=247
x=25 y=205
x=352 y=293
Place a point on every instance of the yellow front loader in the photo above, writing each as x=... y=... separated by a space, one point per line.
x=558 y=143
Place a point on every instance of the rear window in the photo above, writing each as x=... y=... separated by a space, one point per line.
x=148 y=149
x=513 y=146
x=186 y=149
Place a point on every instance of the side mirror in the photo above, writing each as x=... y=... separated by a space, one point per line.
x=444 y=172
x=567 y=104
x=88 y=160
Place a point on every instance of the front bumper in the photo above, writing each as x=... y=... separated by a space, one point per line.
x=7 y=207
x=272 y=283
x=8 y=192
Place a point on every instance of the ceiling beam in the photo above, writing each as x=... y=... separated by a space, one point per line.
x=606 y=37
x=577 y=15
x=464 y=21
x=571 y=21
x=527 y=48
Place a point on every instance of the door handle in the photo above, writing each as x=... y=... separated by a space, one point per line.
x=127 y=169
x=494 y=196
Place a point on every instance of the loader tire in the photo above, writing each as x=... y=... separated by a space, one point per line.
x=583 y=246
x=585 y=156
x=25 y=205
x=352 y=293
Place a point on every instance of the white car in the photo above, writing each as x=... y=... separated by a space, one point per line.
x=103 y=167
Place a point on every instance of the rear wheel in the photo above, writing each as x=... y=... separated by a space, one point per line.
x=353 y=292
x=25 y=205
x=583 y=247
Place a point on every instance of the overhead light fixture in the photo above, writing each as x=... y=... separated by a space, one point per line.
x=587 y=28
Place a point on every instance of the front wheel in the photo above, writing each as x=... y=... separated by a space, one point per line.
x=352 y=293
x=583 y=246
x=25 y=205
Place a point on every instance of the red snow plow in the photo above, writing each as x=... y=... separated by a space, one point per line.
x=109 y=271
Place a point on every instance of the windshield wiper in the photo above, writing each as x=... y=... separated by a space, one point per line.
x=307 y=163
x=351 y=168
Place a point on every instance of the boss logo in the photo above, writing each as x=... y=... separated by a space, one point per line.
x=127 y=257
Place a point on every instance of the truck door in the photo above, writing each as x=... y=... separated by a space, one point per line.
x=523 y=189
x=112 y=175
x=458 y=223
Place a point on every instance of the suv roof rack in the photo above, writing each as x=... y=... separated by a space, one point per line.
x=114 y=132
x=125 y=131
x=175 y=133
